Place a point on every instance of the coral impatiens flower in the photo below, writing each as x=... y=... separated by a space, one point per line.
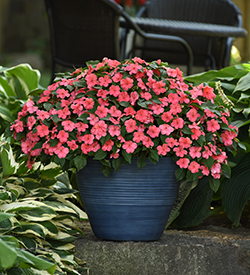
x=113 y=111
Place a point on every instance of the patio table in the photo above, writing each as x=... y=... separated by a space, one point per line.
x=180 y=28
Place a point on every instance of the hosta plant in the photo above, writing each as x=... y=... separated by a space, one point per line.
x=114 y=111
x=37 y=220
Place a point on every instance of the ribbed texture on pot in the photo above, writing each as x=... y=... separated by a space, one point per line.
x=131 y=204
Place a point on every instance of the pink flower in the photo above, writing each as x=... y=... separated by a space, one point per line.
x=72 y=145
x=115 y=112
x=192 y=115
x=31 y=122
x=88 y=138
x=68 y=125
x=62 y=136
x=108 y=145
x=183 y=162
x=175 y=108
x=166 y=129
x=157 y=109
x=163 y=149
x=208 y=93
x=123 y=96
x=101 y=111
x=129 y=111
x=204 y=170
x=207 y=153
x=61 y=151
x=42 y=130
x=62 y=93
x=91 y=80
x=213 y=125
x=171 y=142
x=130 y=125
x=129 y=146
x=88 y=103
x=81 y=127
x=167 y=116
x=104 y=81
x=153 y=131
x=63 y=113
x=42 y=115
x=159 y=87
x=138 y=136
x=143 y=116
x=185 y=142
x=114 y=130
x=227 y=137
x=114 y=90
x=133 y=98
x=178 y=123
x=133 y=68
x=117 y=78
x=180 y=152
x=126 y=83
x=147 y=142
x=195 y=152
x=99 y=129
x=194 y=167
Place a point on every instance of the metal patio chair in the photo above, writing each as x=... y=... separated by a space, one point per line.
x=83 y=30
x=219 y=12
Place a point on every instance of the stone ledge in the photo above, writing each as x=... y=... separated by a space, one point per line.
x=208 y=251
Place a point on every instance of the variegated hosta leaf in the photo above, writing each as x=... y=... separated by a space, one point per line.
x=43 y=213
x=5 y=216
x=65 y=224
x=41 y=192
x=82 y=214
x=28 y=243
x=52 y=230
x=60 y=207
x=32 y=229
x=18 y=190
x=17 y=206
x=67 y=246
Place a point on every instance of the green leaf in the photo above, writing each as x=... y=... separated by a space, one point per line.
x=42 y=213
x=39 y=263
x=243 y=83
x=196 y=206
x=126 y=156
x=235 y=192
x=106 y=170
x=8 y=255
x=154 y=155
x=26 y=76
x=226 y=170
x=117 y=163
x=31 y=228
x=124 y=104
x=180 y=174
x=47 y=106
x=8 y=162
x=141 y=162
x=6 y=113
x=5 y=216
x=214 y=184
x=208 y=162
x=184 y=190
x=5 y=88
x=100 y=154
x=80 y=162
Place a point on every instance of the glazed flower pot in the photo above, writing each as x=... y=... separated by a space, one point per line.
x=131 y=204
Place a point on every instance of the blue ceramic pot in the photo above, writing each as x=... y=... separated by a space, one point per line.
x=131 y=204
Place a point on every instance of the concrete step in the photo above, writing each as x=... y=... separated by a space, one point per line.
x=208 y=250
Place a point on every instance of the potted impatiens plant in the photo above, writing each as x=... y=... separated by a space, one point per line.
x=116 y=122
